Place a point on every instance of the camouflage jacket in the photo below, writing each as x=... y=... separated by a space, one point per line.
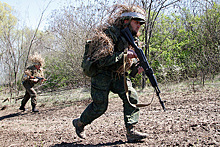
x=32 y=71
x=113 y=62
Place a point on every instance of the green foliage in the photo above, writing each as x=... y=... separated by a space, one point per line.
x=7 y=19
x=186 y=45
x=55 y=72
x=137 y=80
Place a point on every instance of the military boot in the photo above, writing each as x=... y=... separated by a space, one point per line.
x=34 y=108
x=79 y=126
x=133 y=135
x=22 y=108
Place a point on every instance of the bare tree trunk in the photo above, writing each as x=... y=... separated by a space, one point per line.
x=29 y=49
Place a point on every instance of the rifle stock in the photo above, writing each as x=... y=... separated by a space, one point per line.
x=144 y=63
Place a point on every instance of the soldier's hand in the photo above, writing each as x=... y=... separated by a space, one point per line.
x=140 y=69
x=35 y=80
x=44 y=79
x=131 y=54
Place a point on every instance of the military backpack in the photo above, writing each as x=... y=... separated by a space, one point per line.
x=88 y=65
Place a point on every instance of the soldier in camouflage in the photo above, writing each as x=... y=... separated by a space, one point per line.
x=32 y=75
x=109 y=77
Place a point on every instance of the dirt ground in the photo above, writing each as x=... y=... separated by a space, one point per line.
x=191 y=119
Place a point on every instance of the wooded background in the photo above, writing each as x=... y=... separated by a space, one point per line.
x=181 y=40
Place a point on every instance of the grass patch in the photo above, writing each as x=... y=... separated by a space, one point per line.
x=67 y=97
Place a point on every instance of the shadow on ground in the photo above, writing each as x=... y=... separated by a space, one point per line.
x=12 y=115
x=78 y=144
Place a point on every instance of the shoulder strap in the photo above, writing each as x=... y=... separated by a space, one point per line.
x=126 y=86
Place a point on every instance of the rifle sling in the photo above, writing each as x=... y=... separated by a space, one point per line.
x=126 y=86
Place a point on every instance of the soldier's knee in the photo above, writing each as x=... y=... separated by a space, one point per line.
x=33 y=95
x=133 y=97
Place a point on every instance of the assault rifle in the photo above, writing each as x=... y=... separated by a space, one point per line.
x=38 y=79
x=144 y=63
x=41 y=79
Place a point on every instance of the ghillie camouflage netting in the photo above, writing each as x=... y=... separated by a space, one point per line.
x=36 y=58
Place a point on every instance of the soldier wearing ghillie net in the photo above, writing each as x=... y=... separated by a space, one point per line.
x=32 y=75
x=106 y=49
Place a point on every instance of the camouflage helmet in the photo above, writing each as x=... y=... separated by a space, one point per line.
x=135 y=13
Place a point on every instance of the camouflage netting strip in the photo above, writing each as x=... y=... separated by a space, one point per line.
x=101 y=46
x=36 y=58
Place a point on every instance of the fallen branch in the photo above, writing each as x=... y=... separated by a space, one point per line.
x=16 y=98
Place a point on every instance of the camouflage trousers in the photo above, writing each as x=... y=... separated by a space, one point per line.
x=101 y=85
x=30 y=93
